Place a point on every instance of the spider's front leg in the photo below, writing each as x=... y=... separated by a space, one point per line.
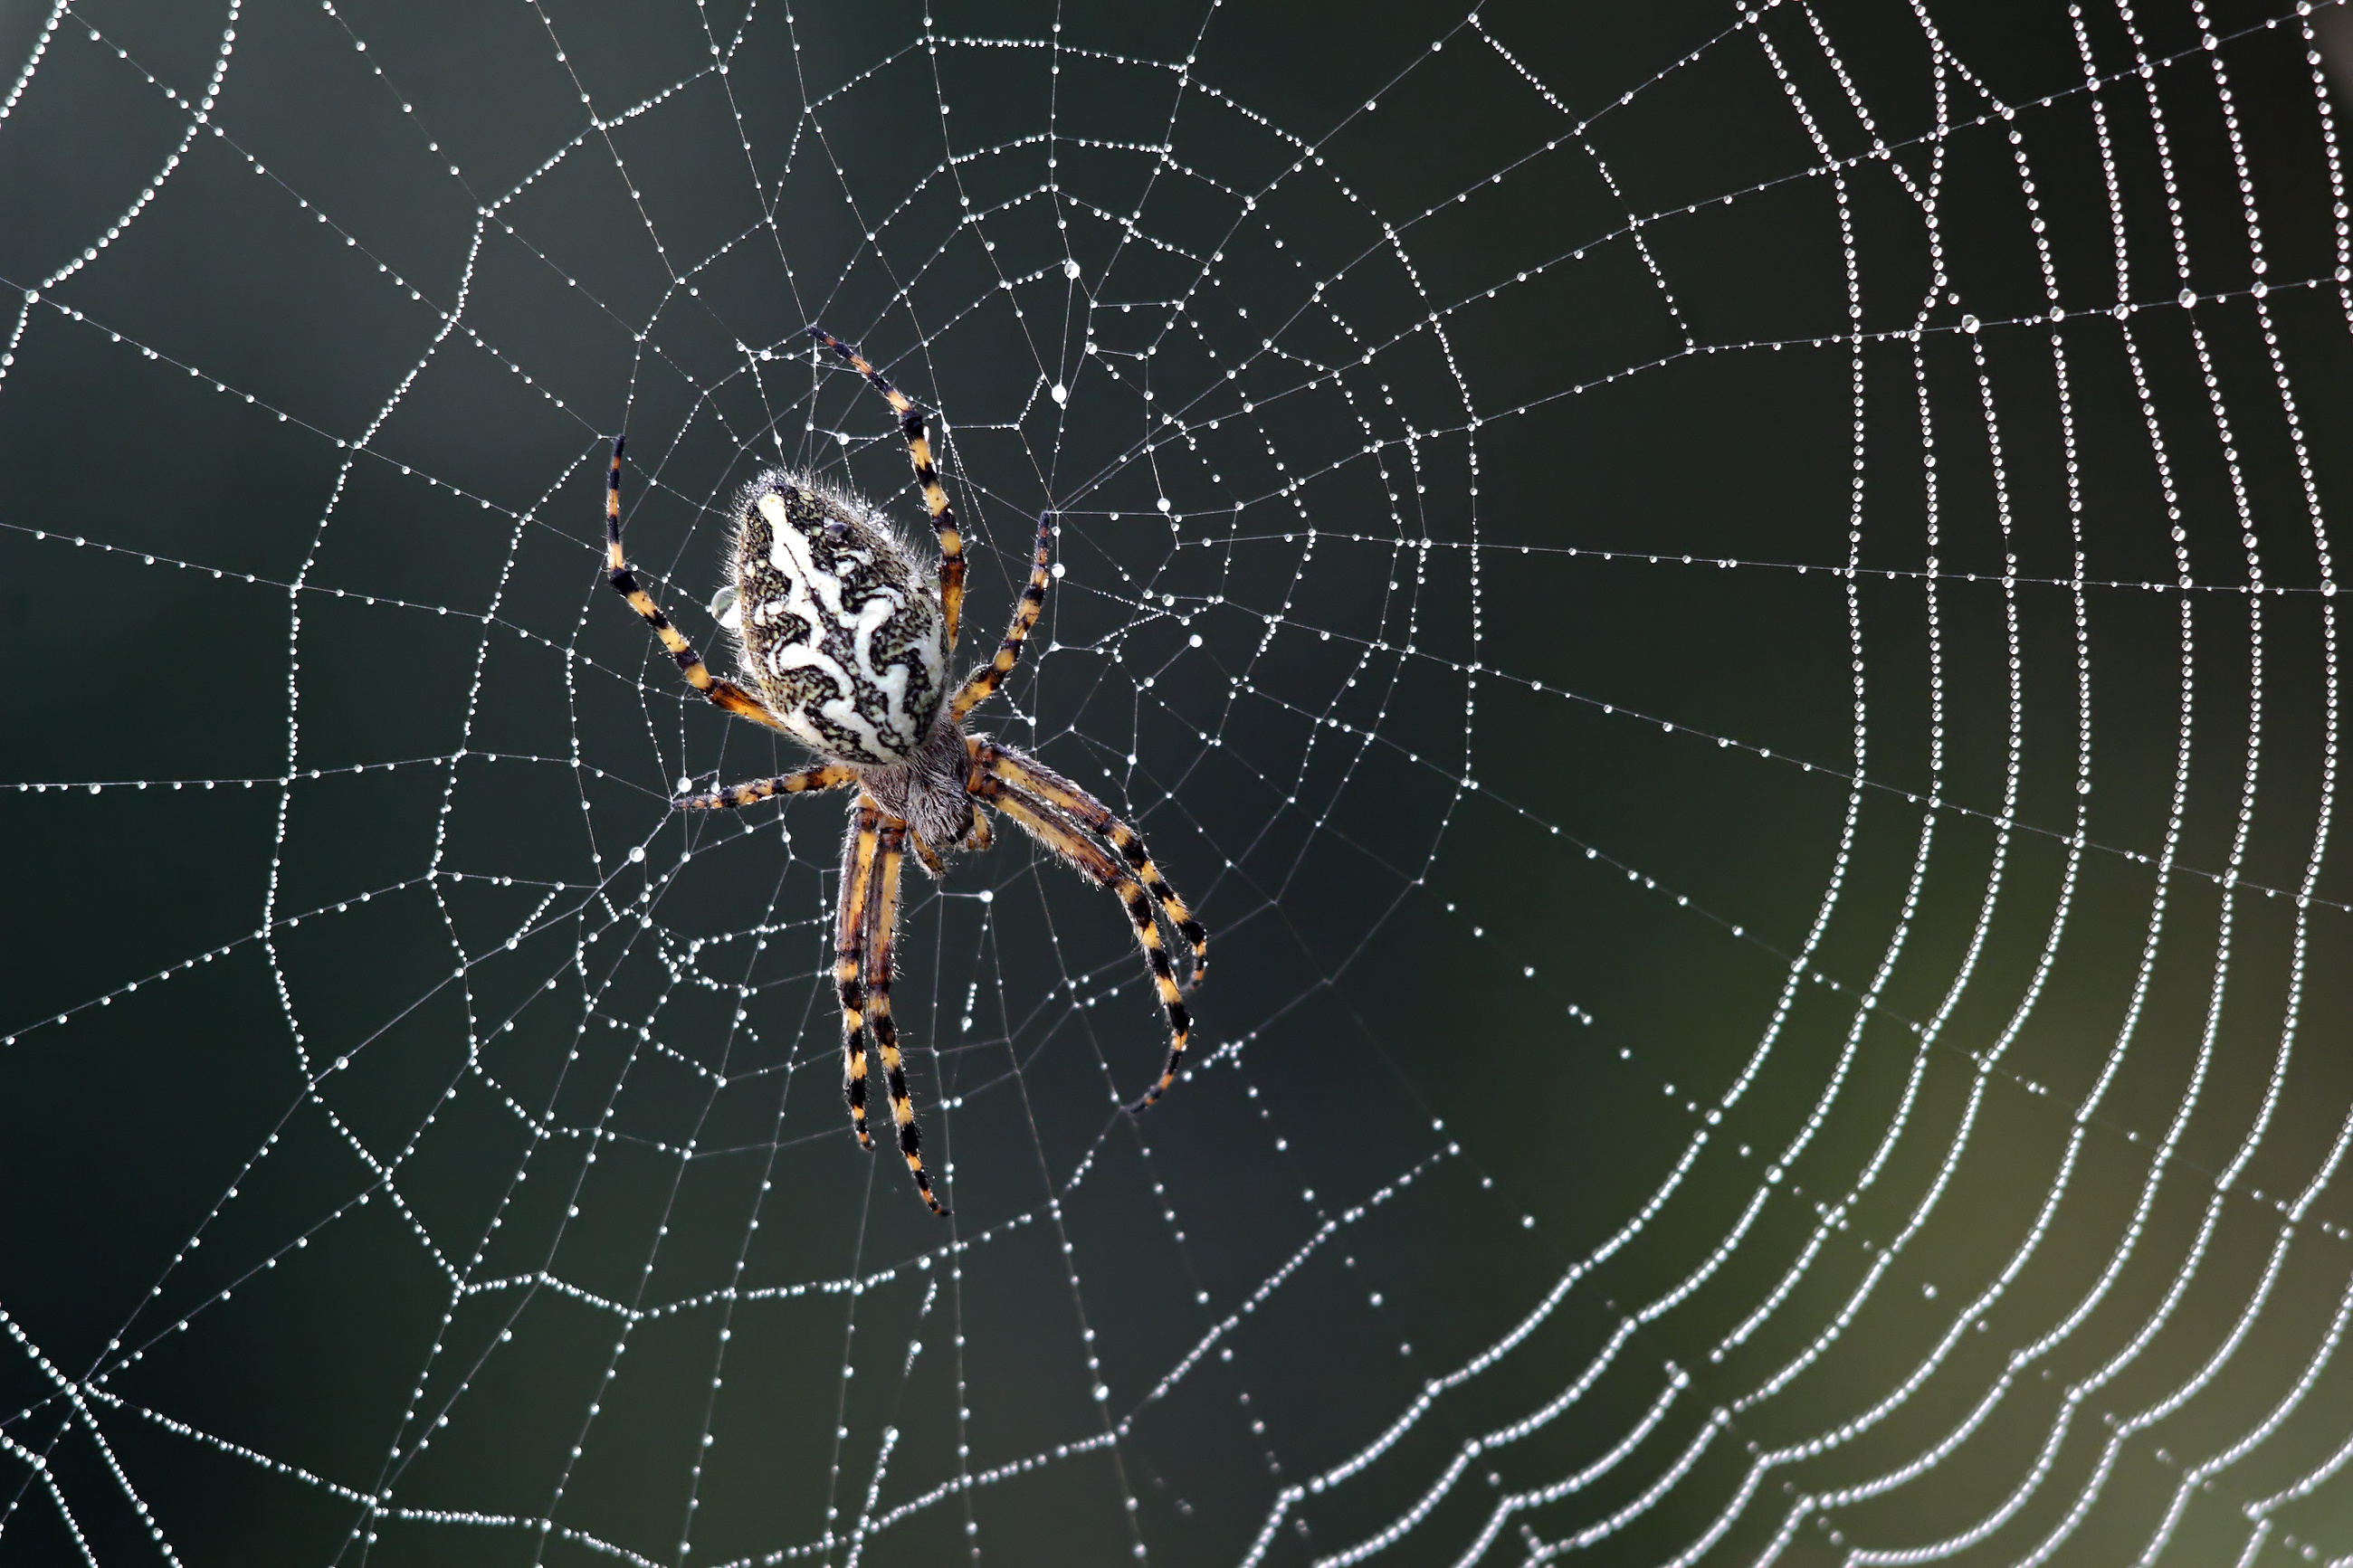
x=1034 y=778
x=893 y=838
x=848 y=955
x=1069 y=843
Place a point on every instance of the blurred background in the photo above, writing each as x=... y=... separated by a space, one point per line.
x=1727 y=611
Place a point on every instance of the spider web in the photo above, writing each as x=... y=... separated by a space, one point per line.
x=1727 y=612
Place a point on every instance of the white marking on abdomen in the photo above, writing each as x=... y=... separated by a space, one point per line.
x=816 y=594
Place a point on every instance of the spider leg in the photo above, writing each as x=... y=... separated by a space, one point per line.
x=878 y=1004
x=935 y=500
x=929 y=855
x=1071 y=843
x=1033 y=777
x=724 y=693
x=980 y=837
x=849 y=952
x=990 y=676
x=829 y=776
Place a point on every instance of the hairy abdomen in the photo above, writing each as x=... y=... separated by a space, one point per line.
x=842 y=636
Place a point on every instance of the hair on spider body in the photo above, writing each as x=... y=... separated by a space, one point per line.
x=845 y=647
x=926 y=792
x=839 y=633
x=842 y=639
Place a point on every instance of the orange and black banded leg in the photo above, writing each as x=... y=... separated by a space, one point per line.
x=1067 y=841
x=927 y=476
x=990 y=676
x=829 y=776
x=724 y=693
x=858 y=864
x=1034 y=777
x=893 y=840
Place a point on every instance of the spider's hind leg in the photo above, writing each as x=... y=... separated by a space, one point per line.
x=919 y=451
x=722 y=694
x=985 y=680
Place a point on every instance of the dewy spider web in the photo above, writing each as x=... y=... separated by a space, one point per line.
x=1761 y=574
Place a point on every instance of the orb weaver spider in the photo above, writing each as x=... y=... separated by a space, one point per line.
x=845 y=648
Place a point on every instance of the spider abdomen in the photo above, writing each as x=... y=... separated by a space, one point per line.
x=841 y=636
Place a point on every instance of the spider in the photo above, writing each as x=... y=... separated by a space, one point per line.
x=845 y=648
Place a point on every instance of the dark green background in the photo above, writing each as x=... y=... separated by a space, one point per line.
x=398 y=580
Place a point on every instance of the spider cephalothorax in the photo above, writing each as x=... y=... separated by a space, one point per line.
x=845 y=648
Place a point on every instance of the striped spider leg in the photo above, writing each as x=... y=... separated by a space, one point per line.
x=722 y=693
x=852 y=931
x=935 y=500
x=882 y=930
x=1059 y=815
